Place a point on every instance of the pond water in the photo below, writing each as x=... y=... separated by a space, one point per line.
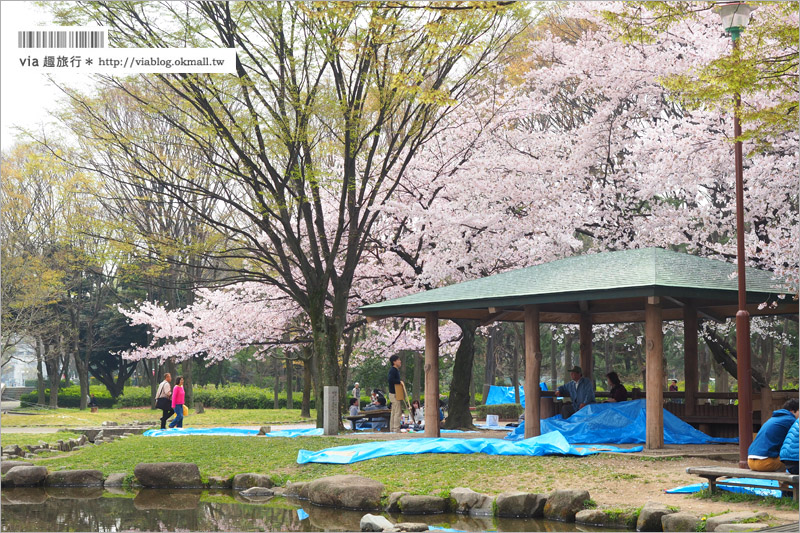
x=96 y=509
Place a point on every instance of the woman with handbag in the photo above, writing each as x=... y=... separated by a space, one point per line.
x=178 y=396
x=163 y=402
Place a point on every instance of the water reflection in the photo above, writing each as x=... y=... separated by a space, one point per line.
x=92 y=509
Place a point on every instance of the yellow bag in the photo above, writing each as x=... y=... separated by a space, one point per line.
x=400 y=393
x=185 y=410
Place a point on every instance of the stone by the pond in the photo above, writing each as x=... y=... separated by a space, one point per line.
x=115 y=480
x=419 y=504
x=25 y=476
x=263 y=430
x=520 y=504
x=597 y=517
x=563 y=505
x=650 y=516
x=749 y=526
x=219 y=482
x=257 y=491
x=679 y=522
x=346 y=491
x=297 y=489
x=472 y=503
x=408 y=526
x=392 y=505
x=75 y=478
x=245 y=481
x=168 y=474
x=715 y=523
x=5 y=466
x=175 y=500
x=371 y=522
x=12 y=449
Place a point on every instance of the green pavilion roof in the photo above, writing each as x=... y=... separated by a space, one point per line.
x=608 y=276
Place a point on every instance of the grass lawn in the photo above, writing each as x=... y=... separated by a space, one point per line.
x=212 y=417
x=623 y=481
x=422 y=474
x=21 y=439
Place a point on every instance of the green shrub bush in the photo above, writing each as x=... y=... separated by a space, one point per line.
x=227 y=397
x=71 y=396
x=503 y=410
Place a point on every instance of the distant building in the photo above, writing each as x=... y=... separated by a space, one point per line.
x=22 y=366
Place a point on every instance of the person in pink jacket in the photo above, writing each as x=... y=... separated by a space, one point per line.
x=178 y=396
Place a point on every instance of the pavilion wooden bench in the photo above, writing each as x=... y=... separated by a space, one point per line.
x=377 y=414
x=718 y=476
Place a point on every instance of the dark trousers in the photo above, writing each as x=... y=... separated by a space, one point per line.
x=166 y=413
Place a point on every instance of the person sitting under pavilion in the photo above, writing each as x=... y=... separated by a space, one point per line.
x=580 y=390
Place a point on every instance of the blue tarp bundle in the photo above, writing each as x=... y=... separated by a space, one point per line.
x=231 y=432
x=766 y=483
x=551 y=444
x=618 y=423
x=499 y=395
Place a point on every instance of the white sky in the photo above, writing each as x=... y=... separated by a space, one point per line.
x=25 y=99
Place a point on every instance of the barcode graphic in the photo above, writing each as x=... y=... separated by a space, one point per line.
x=61 y=39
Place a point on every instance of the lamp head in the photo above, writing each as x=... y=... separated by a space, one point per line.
x=735 y=16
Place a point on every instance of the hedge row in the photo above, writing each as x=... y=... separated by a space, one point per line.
x=71 y=396
x=228 y=397
x=503 y=410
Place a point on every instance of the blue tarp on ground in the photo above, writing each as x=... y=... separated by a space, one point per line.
x=618 y=423
x=231 y=432
x=506 y=394
x=551 y=444
x=766 y=491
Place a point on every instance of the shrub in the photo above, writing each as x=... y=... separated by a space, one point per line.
x=71 y=396
x=503 y=410
x=227 y=397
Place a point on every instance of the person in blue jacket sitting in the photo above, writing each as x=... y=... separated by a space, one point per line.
x=789 y=450
x=763 y=454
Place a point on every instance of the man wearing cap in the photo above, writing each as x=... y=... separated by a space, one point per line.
x=580 y=390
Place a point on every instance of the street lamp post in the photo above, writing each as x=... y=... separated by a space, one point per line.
x=735 y=16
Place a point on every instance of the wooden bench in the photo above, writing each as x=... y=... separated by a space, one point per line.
x=371 y=415
x=719 y=476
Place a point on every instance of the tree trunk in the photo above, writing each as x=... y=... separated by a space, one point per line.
x=418 y=381
x=567 y=352
x=326 y=368
x=704 y=369
x=553 y=361
x=276 y=368
x=186 y=368
x=82 y=368
x=305 y=409
x=514 y=346
x=490 y=368
x=458 y=413
x=39 y=373
x=782 y=362
x=289 y=383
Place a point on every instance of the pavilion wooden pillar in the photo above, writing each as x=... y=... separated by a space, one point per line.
x=587 y=363
x=432 y=375
x=654 y=341
x=690 y=367
x=533 y=369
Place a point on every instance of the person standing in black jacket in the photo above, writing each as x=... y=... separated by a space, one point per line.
x=394 y=382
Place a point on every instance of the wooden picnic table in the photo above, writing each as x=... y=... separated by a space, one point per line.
x=374 y=414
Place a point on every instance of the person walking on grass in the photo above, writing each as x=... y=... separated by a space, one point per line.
x=178 y=396
x=163 y=402
x=394 y=385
